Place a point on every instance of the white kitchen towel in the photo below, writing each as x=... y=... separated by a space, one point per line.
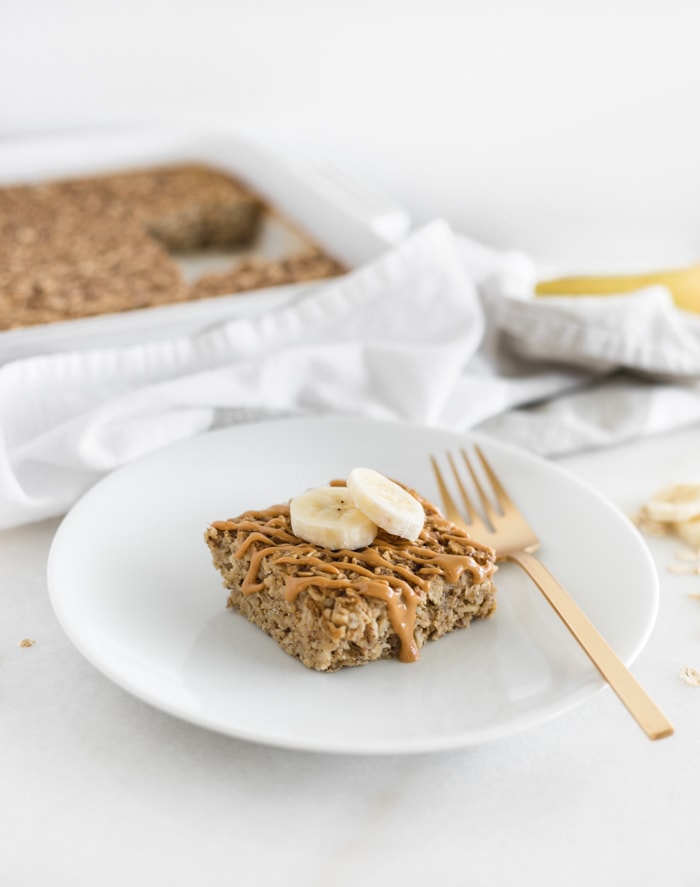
x=440 y=330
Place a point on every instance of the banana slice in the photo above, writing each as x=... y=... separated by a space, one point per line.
x=326 y=516
x=689 y=532
x=675 y=504
x=386 y=503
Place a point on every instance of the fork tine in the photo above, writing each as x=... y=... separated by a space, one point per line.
x=451 y=509
x=486 y=503
x=505 y=503
x=474 y=518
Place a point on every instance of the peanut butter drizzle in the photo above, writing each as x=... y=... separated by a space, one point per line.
x=373 y=574
x=400 y=599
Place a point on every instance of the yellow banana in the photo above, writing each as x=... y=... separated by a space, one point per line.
x=683 y=284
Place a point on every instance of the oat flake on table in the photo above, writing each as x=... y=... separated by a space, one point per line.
x=690 y=675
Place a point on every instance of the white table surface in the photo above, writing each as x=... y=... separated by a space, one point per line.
x=99 y=788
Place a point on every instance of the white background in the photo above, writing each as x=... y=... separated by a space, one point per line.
x=569 y=129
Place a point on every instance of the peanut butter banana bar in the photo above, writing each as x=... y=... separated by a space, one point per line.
x=336 y=608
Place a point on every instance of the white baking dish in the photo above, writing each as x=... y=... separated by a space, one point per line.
x=353 y=223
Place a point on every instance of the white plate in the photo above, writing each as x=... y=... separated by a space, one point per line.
x=132 y=583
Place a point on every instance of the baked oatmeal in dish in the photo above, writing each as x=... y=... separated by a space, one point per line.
x=332 y=606
x=99 y=245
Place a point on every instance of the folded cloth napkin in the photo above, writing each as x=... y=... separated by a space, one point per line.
x=440 y=330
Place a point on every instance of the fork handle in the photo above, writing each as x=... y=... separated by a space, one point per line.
x=633 y=696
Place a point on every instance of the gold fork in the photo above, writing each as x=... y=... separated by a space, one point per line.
x=512 y=538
